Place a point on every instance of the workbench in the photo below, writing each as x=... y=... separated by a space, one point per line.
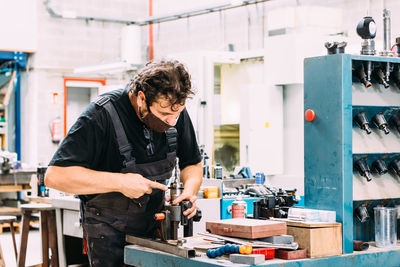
x=69 y=230
x=145 y=257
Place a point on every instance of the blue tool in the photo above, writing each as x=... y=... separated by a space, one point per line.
x=225 y=249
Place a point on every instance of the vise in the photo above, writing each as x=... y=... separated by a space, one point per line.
x=172 y=215
x=273 y=203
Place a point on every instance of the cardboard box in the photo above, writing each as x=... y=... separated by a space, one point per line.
x=246 y=228
x=320 y=239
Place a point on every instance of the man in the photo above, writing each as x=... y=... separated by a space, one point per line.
x=119 y=153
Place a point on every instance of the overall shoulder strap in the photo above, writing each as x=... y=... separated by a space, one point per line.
x=172 y=139
x=125 y=147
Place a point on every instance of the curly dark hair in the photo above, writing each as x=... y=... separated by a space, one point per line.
x=163 y=78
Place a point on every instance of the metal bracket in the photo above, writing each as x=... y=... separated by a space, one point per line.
x=162 y=246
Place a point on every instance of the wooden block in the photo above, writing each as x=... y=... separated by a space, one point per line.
x=6 y=225
x=291 y=254
x=13 y=188
x=8 y=210
x=320 y=239
x=246 y=228
x=44 y=200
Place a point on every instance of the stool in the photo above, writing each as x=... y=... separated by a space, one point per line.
x=49 y=234
x=10 y=220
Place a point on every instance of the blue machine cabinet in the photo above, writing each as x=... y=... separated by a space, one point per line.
x=332 y=142
x=227 y=202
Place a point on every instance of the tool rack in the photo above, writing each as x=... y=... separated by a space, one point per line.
x=333 y=142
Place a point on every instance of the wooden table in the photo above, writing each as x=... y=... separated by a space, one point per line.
x=48 y=229
x=10 y=220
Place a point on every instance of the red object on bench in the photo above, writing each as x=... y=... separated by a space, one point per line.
x=291 y=254
x=268 y=252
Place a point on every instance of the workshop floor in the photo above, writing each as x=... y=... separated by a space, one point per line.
x=33 y=254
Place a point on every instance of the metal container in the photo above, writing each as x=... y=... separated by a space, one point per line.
x=218 y=171
x=239 y=208
x=385 y=226
x=260 y=178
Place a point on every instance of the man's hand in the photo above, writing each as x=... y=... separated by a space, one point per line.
x=134 y=185
x=192 y=198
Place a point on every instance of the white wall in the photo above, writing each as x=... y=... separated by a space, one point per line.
x=293 y=136
x=247 y=27
x=65 y=44
x=18 y=22
x=62 y=45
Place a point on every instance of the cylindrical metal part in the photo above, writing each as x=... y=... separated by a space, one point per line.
x=361 y=120
x=174 y=230
x=218 y=171
x=397 y=49
x=388 y=68
x=368 y=69
x=360 y=74
x=379 y=166
x=175 y=213
x=394 y=165
x=396 y=73
x=368 y=47
x=386 y=30
x=385 y=226
x=380 y=77
x=361 y=213
x=380 y=122
x=362 y=167
x=175 y=190
x=395 y=121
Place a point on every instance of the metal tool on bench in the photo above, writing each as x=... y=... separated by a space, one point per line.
x=254 y=243
x=172 y=215
x=170 y=218
x=273 y=203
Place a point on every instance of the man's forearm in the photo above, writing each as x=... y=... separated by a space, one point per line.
x=191 y=176
x=80 y=180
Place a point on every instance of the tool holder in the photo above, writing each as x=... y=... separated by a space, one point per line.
x=333 y=141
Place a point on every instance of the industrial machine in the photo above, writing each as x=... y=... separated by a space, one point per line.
x=273 y=203
x=230 y=189
x=172 y=215
x=351 y=144
x=262 y=202
x=170 y=218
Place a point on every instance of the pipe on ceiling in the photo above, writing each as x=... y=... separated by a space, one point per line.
x=158 y=19
x=151 y=43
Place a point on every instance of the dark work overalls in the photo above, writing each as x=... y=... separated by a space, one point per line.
x=107 y=218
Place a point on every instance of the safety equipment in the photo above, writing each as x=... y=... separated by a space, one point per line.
x=56 y=130
x=153 y=122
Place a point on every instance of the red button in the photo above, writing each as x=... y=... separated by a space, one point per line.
x=309 y=115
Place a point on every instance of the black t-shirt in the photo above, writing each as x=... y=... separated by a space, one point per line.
x=91 y=141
